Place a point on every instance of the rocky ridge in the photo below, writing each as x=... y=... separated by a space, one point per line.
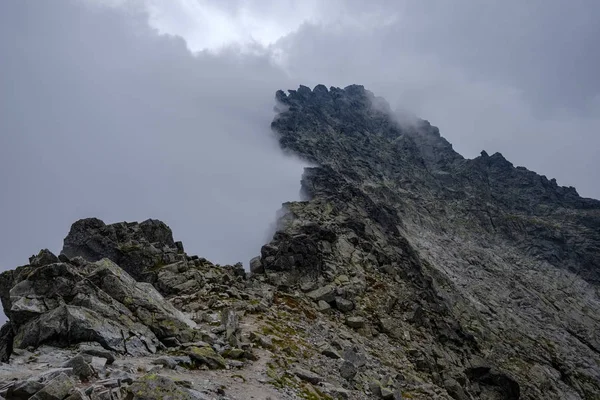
x=408 y=272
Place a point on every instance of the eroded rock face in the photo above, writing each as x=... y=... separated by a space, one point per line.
x=6 y=342
x=63 y=303
x=138 y=248
x=460 y=260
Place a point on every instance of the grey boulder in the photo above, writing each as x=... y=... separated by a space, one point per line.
x=63 y=304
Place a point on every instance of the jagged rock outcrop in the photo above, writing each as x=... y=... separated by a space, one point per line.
x=65 y=303
x=487 y=272
x=146 y=251
x=138 y=248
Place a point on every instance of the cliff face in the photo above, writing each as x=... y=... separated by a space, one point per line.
x=407 y=272
x=500 y=263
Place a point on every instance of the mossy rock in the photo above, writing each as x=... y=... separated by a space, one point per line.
x=234 y=353
x=309 y=392
x=156 y=387
x=206 y=356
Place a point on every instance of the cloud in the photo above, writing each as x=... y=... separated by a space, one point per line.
x=486 y=86
x=103 y=117
x=209 y=25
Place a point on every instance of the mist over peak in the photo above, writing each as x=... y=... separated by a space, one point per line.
x=103 y=117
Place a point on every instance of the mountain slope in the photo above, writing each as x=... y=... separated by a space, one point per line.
x=507 y=255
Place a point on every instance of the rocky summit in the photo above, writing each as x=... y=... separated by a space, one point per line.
x=407 y=272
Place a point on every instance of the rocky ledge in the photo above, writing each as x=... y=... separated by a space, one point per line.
x=408 y=272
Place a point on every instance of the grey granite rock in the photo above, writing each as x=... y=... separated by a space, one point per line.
x=62 y=304
x=57 y=389
x=471 y=253
x=6 y=342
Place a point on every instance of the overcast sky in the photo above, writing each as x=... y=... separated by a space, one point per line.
x=126 y=110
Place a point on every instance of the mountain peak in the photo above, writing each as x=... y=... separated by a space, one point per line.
x=475 y=227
